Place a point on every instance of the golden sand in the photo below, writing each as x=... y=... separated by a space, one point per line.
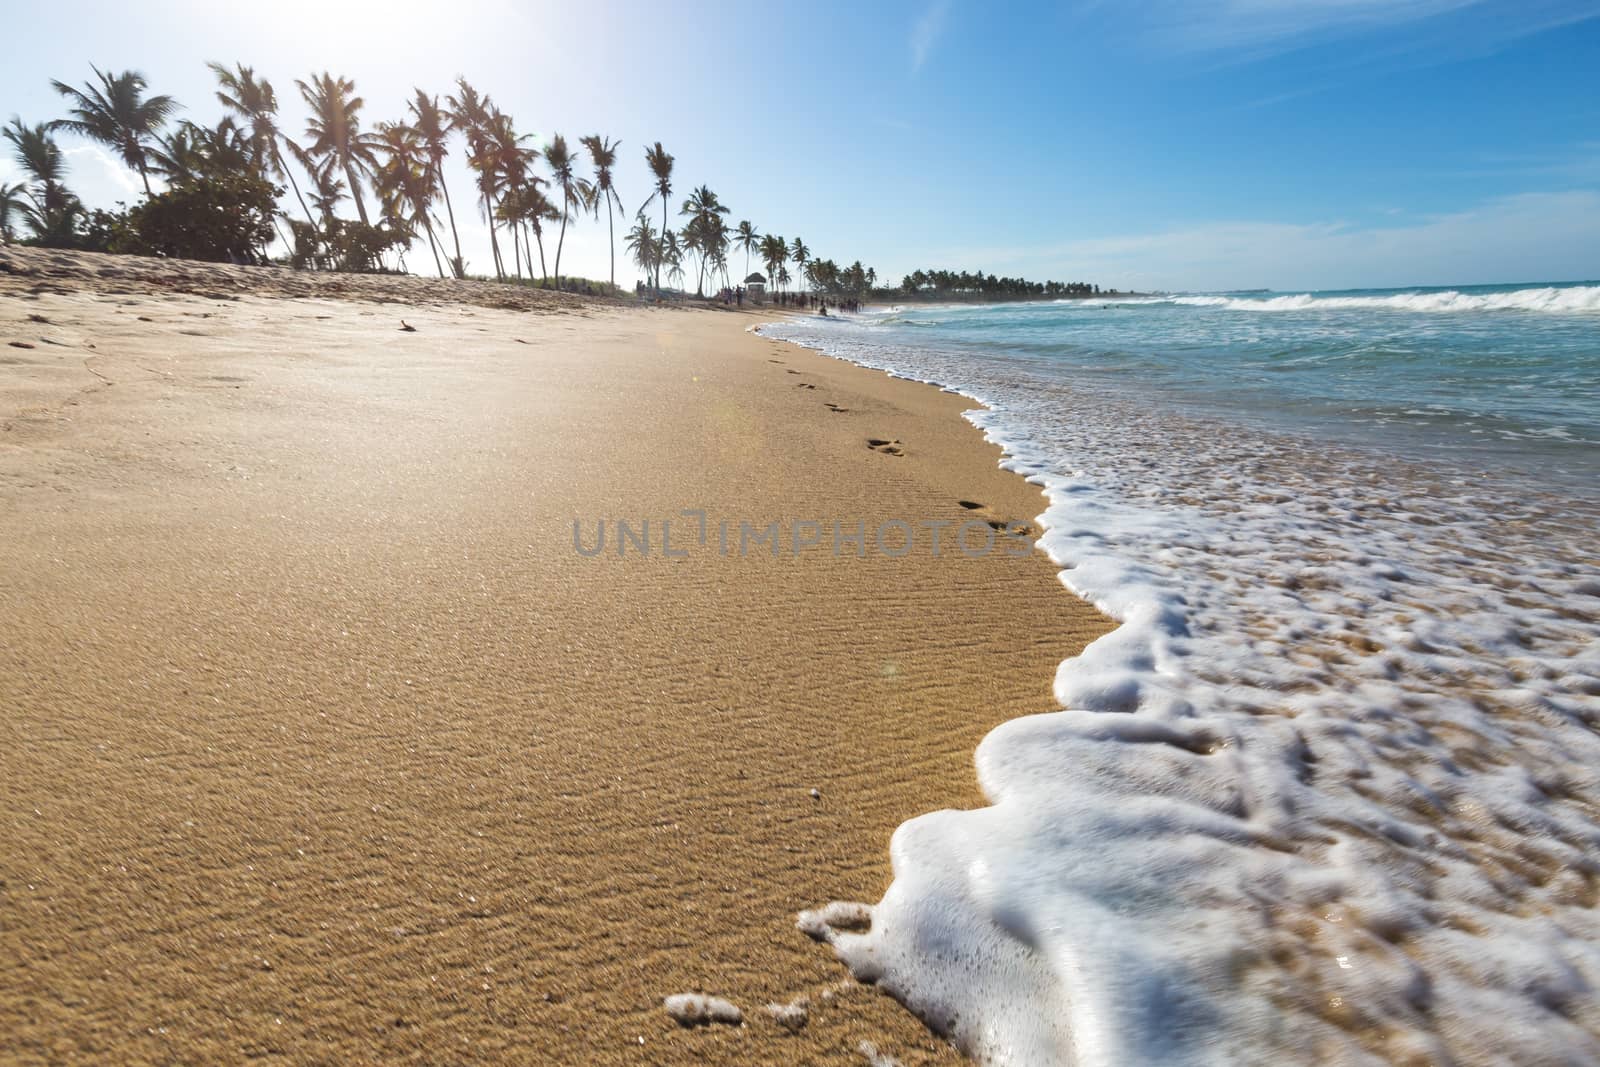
x=319 y=741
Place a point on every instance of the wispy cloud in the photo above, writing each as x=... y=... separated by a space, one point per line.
x=1254 y=29
x=1527 y=237
x=925 y=34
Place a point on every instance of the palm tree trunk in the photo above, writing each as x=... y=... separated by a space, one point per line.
x=612 y=234
x=355 y=192
x=494 y=243
x=285 y=168
x=663 y=240
x=566 y=208
x=516 y=248
x=538 y=235
x=427 y=224
x=458 y=266
x=145 y=174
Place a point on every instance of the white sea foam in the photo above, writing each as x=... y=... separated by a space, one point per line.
x=1329 y=793
x=1569 y=299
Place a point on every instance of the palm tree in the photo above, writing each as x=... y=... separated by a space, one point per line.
x=404 y=179
x=13 y=206
x=660 y=164
x=799 y=253
x=574 y=190
x=334 y=129
x=536 y=211
x=51 y=210
x=773 y=253
x=191 y=152
x=256 y=103
x=671 y=256
x=118 y=115
x=706 y=233
x=603 y=152
x=470 y=113
x=747 y=238
x=504 y=167
x=642 y=242
x=433 y=125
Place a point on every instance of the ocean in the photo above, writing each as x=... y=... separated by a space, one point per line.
x=1331 y=790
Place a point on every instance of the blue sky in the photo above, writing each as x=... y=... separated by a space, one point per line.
x=1142 y=143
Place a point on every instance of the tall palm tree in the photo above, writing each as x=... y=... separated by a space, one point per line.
x=660 y=164
x=118 y=115
x=334 y=130
x=799 y=253
x=433 y=125
x=254 y=101
x=747 y=238
x=603 y=153
x=470 y=113
x=504 y=166
x=574 y=190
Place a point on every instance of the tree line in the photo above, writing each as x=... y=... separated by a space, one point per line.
x=947 y=284
x=221 y=198
x=222 y=191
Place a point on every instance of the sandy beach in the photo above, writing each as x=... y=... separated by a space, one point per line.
x=322 y=742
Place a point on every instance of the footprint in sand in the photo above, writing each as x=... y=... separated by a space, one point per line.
x=804 y=385
x=888 y=448
x=836 y=409
x=987 y=514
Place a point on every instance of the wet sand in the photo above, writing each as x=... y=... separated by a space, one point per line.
x=320 y=741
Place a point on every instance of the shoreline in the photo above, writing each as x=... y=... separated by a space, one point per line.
x=354 y=755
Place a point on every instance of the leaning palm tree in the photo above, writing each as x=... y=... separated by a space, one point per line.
x=660 y=164
x=433 y=124
x=747 y=238
x=255 y=102
x=334 y=130
x=118 y=115
x=603 y=153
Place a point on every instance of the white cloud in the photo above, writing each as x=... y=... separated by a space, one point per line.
x=925 y=34
x=1528 y=237
x=110 y=174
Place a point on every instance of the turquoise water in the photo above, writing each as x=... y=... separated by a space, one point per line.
x=1498 y=376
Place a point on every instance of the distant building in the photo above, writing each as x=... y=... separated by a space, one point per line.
x=755 y=287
